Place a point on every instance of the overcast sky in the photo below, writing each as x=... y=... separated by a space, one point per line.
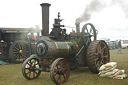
x=110 y=18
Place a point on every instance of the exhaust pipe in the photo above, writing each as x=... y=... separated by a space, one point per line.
x=77 y=27
x=45 y=18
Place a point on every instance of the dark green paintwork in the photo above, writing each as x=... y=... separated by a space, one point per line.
x=66 y=49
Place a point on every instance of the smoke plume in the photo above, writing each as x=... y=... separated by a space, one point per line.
x=98 y=5
x=123 y=4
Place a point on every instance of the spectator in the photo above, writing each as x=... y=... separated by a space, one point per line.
x=119 y=47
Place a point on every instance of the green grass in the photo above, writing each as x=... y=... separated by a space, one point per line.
x=12 y=75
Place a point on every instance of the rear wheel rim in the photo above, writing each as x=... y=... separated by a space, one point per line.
x=101 y=54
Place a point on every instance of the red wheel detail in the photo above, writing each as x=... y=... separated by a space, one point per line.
x=30 y=68
x=60 y=71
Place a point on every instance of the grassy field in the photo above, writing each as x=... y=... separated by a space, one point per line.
x=11 y=74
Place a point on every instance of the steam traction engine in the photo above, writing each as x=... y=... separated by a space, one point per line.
x=59 y=52
x=16 y=44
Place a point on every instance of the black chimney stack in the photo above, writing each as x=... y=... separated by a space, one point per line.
x=45 y=18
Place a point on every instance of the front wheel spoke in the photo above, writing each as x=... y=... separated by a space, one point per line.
x=61 y=65
x=57 y=66
x=29 y=74
x=55 y=74
x=27 y=68
x=28 y=64
x=31 y=61
x=59 y=78
x=35 y=63
x=56 y=71
x=34 y=74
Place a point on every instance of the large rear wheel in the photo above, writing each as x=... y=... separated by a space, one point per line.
x=19 y=51
x=97 y=55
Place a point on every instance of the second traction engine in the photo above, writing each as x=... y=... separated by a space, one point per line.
x=58 y=52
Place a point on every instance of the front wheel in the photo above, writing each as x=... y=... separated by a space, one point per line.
x=30 y=68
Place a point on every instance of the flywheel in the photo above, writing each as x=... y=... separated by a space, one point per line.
x=88 y=34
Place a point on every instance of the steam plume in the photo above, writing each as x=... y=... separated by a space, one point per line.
x=98 y=5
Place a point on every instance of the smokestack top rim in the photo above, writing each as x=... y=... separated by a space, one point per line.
x=77 y=23
x=45 y=4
